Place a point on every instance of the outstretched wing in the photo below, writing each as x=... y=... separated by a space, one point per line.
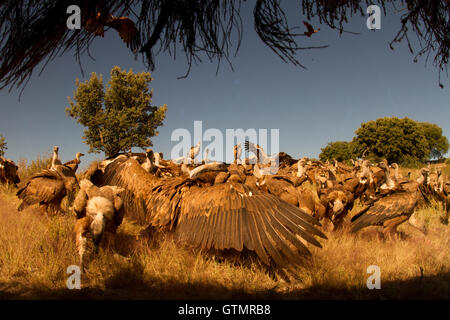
x=229 y=215
x=235 y=216
x=386 y=208
x=251 y=147
x=126 y=29
x=309 y=27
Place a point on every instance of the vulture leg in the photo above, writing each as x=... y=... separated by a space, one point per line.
x=43 y=208
x=338 y=224
x=390 y=226
x=81 y=229
x=414 y=223
x=327 y=225
x=444 y=218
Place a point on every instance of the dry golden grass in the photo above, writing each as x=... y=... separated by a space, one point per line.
x=35 y=252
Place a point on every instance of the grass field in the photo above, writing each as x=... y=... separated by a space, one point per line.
x=36 y=251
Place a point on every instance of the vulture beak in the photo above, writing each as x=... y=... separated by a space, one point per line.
x=96 y=240
x=96 y=230
x=338 y=208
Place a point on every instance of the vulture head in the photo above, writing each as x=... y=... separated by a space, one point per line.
x=321 y=178
x=364 y=176
x=78 y=155
x=383 y=165
x=337 y=201
x=157 y=157
x=424 y=172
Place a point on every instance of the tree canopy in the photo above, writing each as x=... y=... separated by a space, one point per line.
x=398 y=140
x=34 y=31
x=437 y=143
x=2 y=145
x=339 y=150
x=120 y=117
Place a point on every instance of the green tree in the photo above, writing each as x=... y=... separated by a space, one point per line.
x=120 y=117
x=2 y=146
x=339 y=150
x=437 y=143
x=397 y=140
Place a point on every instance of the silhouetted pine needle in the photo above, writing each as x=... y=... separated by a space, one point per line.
x=35 y=31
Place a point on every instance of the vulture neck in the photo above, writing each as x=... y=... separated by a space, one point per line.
x=149 y=162
x=300 y=170
x=440 y=184
x=206 y=156
x=259 y=173
x=237 y=154
x=194 y=151
x=421 y=180
x=262 y=154
x=194 y=173
x=389 y=181
x=396 y=174
x=55 y=160
x=157 y=159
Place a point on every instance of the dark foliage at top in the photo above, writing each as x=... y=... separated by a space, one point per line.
x=35 y=31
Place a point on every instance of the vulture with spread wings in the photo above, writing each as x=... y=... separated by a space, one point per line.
x=210 y=208
x=123 y=25
x=310 y=28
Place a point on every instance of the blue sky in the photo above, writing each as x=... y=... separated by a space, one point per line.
x=357 y=79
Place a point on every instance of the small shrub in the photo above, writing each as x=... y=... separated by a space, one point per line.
x=40 y=163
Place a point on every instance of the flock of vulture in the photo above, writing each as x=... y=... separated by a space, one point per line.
x=242 y=206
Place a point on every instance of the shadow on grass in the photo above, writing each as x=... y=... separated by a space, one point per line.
x=128 y=283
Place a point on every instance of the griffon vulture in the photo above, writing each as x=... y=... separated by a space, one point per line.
x=98 y=210
x=392 y=210
x=210 y=208
x=48 y=188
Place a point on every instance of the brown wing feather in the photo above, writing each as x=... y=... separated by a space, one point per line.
x=138 y=185
x=220 y=217
x=387 y=208
x=264 y=222
x=309 y=27
x=42 y=187
x=126 y=29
